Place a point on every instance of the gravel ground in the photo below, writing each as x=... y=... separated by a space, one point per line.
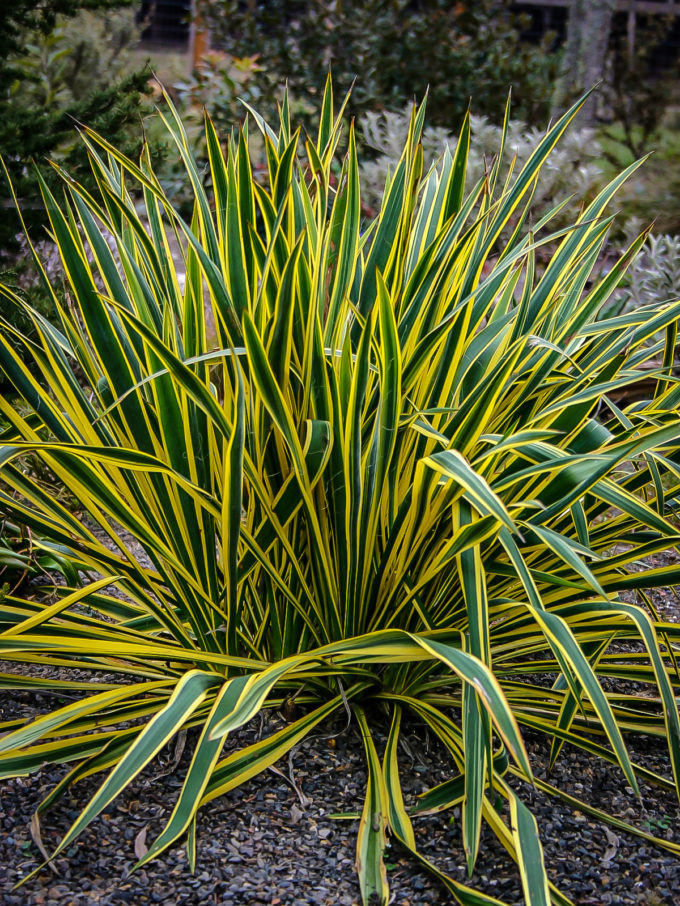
x=263 y=844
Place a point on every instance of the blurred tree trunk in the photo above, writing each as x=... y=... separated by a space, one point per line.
x=585 y=52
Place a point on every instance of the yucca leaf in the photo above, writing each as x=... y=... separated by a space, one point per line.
x=189 y=693
x=530 y=853
x=371 y=838
x=202 y=765
x=397 y=817
x=345 y=220
x=46 y=725
x=45 y=614
x=232 y=515
x=451 y=464
x=490 y=695
x=476 y=740
x=245 y=763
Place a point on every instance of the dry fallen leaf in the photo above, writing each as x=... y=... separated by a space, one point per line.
x=37 y=839
x=612 y=848
x=179 y=749
x=141 y=849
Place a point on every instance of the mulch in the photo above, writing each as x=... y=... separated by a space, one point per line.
x=276 y=840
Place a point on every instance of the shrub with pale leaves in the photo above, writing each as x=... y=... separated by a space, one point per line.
x=572 y=170
x=654 y=275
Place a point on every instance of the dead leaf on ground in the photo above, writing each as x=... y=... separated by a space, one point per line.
x=37 y=839
x=613 y=846
x=141 y=849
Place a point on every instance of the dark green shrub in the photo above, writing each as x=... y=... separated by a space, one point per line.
x=52 y=79
x=395 y=49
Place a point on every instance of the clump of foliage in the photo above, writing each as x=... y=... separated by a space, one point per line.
x=396 y=50
x=638 y=90
x=86 y=52
x=572 y=168
x=382 y=488
x=655 y=194
x=21 y=559
x=654 y=275
x=55 y=71
x=15 y=559
x=61 y=63
x=221 y=84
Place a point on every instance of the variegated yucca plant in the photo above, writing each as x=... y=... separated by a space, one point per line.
x=375 y=467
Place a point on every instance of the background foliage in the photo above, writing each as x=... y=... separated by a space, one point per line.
x=396 y=50
x=52 y=75
x=572 y=169
x=61 y=63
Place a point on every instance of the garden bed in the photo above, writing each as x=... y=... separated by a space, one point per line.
x=268 y=843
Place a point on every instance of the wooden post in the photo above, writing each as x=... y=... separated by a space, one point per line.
x=631 y=32
x=199 y=38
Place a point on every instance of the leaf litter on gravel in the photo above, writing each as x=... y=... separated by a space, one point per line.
x=273 y=841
